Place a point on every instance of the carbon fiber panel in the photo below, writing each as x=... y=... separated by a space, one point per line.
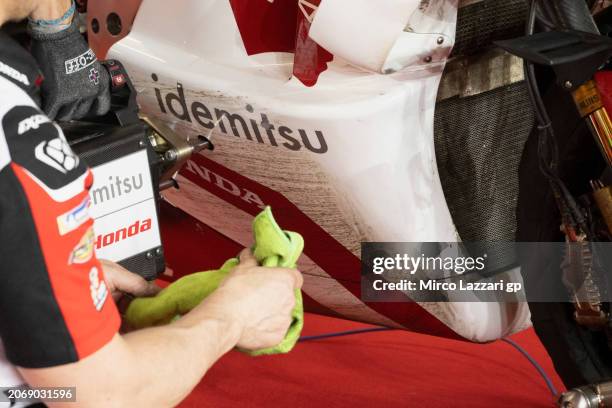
x=99 y=144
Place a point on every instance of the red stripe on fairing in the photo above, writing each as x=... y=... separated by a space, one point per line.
x=266 y=27
x=310 y=59
x=323 y=249
x=184 y=235
x=191 y=246
x=281 y=27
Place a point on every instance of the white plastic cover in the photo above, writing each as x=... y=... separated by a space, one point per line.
x=347 y=160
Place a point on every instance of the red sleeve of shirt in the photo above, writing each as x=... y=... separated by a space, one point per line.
x=55 y=307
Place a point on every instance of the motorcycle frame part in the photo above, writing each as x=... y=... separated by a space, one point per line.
x=574 y=56
x=587 y=313
x=579 y=277
x=547 y=147
x=600 y=126
x=603 y=198
x=589 y=396
x=174 y=149
x=119 y=13
x=580 y=354
x=590 y=106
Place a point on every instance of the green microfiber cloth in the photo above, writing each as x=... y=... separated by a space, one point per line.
x=273 y=247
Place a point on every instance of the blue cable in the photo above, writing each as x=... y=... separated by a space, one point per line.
x=534 y=363
x=344 y=333
x=524 y=352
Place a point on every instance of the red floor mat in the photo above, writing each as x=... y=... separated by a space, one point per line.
x=383 y=369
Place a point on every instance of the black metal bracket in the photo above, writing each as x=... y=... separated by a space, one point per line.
x=574 y=56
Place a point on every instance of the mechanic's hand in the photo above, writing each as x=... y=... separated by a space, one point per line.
x=75 y=84
x=259 y=299
x=121 y=281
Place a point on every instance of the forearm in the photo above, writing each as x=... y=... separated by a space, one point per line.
x=170 y=361
x=51 y=10
x=151 y=367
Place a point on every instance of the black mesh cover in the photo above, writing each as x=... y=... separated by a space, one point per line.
x=479 y=141
x=479 y=24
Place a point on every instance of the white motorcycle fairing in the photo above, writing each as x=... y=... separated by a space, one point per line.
x=348 y=160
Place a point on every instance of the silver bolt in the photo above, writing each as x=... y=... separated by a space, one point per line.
x=440 y=40
x=427 y=59
x=158 y=251
x=142 y=143
x=170 y=155
x=149 y=255
x=568 y=84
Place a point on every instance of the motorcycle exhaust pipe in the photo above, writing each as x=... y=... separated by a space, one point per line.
x=589 y=396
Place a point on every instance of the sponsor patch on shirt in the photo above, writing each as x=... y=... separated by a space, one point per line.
x=73 y=219
x=98 y=289
x=14 y=74
x=84 y=250
x=32 y=122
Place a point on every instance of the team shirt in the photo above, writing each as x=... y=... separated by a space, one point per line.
x=55 y=307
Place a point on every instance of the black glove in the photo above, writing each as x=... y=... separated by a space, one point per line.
x=76 y=85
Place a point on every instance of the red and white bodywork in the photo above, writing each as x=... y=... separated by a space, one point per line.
x=323 y=110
